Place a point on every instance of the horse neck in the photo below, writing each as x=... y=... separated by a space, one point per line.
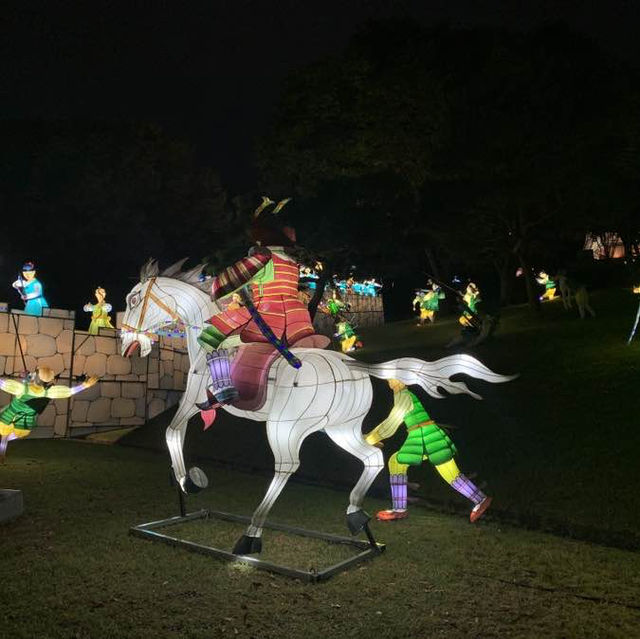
x=193 y=306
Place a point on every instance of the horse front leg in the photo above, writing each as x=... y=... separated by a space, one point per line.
x=195 y=479
x=285 y=441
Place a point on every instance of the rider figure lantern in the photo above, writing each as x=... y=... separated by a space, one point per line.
x=272 y=277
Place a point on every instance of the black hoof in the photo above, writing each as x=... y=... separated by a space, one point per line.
x=248 y=545
x=196 y=481
x=357 y=521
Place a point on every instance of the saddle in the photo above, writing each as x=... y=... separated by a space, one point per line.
x=251 y=365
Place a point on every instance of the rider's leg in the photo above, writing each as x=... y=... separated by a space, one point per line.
x=219 y=364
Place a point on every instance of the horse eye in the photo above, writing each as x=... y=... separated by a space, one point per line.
x=134 y=300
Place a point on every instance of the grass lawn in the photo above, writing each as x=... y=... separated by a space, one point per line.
x=70 y=570
x=557 y=448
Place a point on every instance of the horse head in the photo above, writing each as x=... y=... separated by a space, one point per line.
x=152 y=305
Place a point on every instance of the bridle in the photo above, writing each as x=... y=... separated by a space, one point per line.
x=150 y=295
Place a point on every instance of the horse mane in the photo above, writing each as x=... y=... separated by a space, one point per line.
x=191 y=276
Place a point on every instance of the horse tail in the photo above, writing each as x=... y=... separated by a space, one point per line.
x=433 y=376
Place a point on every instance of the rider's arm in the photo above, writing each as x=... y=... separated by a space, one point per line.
x=11 y=386
x=63 y=392
x=234 y=277
x=402 y=405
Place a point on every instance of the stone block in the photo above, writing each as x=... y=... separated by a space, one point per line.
x=141 y=404
x=7 y=343
x=166 y=381
x=60 y=425
x=4 y=322
x=153 y=380
x=96 y=365
x=127 y=378
x=131 y=421
x=99 y=410
x=64 y=341
x=123 y=407
x=50 y=326
x=138 y=365
x=133 y=390
x=41 y=345
x=79 y=363
x=87 y=345
x=156 y=406
x=29 y=361
x=11 y=504
x=69 y=325
x=79 y=410
x=27 y=325
x=118 y=365
x=186 y=364
x=110 y=389
x=166 y=354
x=3 y=362
x=106 y=345
x=66 y=358
x=61 y=405
x=48 y=416
x=91 y=394
x=178 y=379
x=119 y=316
x=55 y=362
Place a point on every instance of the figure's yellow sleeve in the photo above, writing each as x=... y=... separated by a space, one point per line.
x=11 y=386
x=402 y=405
x=59 y=392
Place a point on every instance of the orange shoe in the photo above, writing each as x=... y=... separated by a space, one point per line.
x=391 y=515
x=479 y=509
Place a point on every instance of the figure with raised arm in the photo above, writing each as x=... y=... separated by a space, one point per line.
x=549 y=286
x=30 y=290
x=99 y=312
x=426 y=441
x=30 y=397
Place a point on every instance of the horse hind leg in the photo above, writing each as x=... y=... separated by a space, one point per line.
x=349 y=437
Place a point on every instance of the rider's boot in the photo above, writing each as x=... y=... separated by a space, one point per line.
x=222 y=389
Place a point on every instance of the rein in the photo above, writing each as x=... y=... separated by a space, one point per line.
x=150 y=295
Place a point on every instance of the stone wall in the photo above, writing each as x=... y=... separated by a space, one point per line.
x=130 y=390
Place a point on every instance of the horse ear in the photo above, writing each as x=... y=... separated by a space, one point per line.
x=149 y=269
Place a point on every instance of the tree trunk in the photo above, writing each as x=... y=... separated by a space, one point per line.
x=321 y=284
x=506 y=279
x=530 y=283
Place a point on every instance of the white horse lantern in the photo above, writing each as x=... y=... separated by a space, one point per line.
x=330 y=392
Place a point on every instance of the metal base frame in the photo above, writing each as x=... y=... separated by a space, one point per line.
x=368 y=549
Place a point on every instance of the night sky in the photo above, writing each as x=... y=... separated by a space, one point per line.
x=210 y=72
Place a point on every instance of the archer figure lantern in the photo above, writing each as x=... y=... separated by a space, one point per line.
x=30 y=397
x=549 y=286
x=428 y=301
x=470 y=299
x=99 y=312
x=30 y=290
x=425 y=441
x=272 y=312
x=348 y=339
